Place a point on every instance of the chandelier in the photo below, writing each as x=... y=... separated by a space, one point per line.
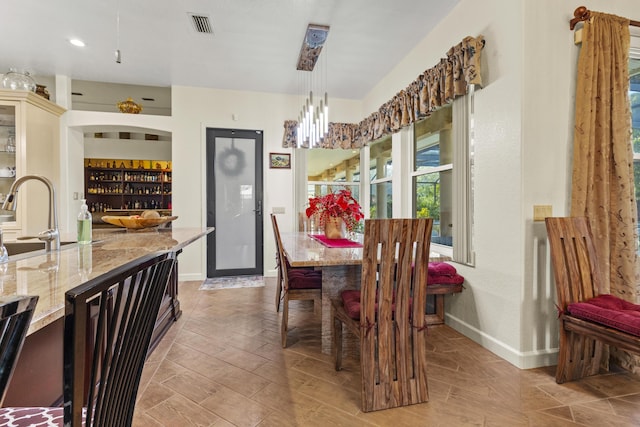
x=313 y=120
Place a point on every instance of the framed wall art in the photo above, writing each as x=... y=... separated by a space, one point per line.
x=279 y=161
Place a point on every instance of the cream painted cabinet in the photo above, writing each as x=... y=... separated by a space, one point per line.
x=29 y=145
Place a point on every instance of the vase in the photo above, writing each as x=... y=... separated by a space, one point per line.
x=15 y=80
x=335 y=228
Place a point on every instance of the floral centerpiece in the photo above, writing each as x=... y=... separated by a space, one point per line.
x=335 y=206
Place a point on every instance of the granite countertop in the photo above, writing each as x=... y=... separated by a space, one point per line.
x=50 y=275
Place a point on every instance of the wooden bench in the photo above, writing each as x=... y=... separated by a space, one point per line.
x=578 y=279
x=439 y=291
x=443 y=279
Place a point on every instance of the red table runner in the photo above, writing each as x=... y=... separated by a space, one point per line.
x=335 y=243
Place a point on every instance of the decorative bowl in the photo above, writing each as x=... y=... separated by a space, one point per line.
x=129 y=107
x=136 y=222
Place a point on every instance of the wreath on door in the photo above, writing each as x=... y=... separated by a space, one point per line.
x=231 y=161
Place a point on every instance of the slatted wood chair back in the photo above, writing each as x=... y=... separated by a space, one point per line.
x=16 y=313
x=393 y=335
x=109 y=321
x=573 y=256
x=577 y=278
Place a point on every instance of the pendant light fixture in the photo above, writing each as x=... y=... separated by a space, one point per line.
x=118 y=54
x=313 y=120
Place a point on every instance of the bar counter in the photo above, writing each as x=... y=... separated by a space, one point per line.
x=50 y=275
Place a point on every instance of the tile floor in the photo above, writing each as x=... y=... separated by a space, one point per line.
x=222 y=364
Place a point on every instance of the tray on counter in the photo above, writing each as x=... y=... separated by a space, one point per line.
x=136 y=223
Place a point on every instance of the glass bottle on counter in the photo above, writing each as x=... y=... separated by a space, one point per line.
x=84 y=224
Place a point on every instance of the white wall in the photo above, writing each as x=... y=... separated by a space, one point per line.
x=194 y=110
x=523 y=136
x=489 y=308
x=111 y=148
x=550 y=65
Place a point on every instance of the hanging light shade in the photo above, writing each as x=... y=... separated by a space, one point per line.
x=313 y=119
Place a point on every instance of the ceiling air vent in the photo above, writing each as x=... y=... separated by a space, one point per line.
x=201 y=23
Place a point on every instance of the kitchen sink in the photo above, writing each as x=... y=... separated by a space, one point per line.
x=17 y=248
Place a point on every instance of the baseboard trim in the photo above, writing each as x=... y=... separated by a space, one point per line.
x=522 y=360
x=187 y=277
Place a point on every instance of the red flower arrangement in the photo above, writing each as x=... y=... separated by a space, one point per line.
x=336 y=205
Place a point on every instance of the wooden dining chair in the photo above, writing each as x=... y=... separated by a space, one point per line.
x=294 y=283
x=16 y=313
x=387 y=314
x=108 y=325
x=588 y=318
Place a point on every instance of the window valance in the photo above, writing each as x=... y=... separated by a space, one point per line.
x=434 y=88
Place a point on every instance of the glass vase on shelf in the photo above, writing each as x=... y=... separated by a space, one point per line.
x=15 y=80
x=11 y=144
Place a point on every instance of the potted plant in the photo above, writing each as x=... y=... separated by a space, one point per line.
x=335 y=212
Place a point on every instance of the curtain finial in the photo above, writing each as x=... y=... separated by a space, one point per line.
x=581 y=14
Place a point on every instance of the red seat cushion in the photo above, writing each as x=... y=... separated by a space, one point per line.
x=441 y=273
x=441 y=269
x=351 y=302
x=304 y=278
x=609 y=310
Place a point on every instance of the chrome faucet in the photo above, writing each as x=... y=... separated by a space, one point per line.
x=50 y=237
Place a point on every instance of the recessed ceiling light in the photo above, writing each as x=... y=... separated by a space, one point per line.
x=77 y=42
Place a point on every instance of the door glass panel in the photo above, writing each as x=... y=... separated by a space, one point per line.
x=380 y=165
x=329 y=171
x=433 y=200
x=381 y=200
x=7 y=155
x=433 y=174
x=235 y=201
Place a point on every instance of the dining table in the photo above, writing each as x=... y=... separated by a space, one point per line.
x=340 y=261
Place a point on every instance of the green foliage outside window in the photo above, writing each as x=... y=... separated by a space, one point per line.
x=428 y=199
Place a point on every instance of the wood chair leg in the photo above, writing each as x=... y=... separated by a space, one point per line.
x=578 y=356
x=278 y=290
x=336 y=338
x=284 y=326
x=317 y=306
x=563 y=357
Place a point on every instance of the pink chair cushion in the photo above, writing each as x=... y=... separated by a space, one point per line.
x=610 y=311
x=35 y=416
x=351 y=302
x=304 y=278
x=441 y=273
x=441 y=269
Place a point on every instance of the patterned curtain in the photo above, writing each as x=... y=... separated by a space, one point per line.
x=603 y=188
x=434 y=88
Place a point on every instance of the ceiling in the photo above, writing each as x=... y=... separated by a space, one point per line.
x=254 y=45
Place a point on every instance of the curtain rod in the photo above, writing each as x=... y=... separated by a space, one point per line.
x=582 y=14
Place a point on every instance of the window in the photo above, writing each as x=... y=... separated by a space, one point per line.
x=380 y=178
x=432 y=177
x=332 y=170
x=442 y=176
x=433 y=173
